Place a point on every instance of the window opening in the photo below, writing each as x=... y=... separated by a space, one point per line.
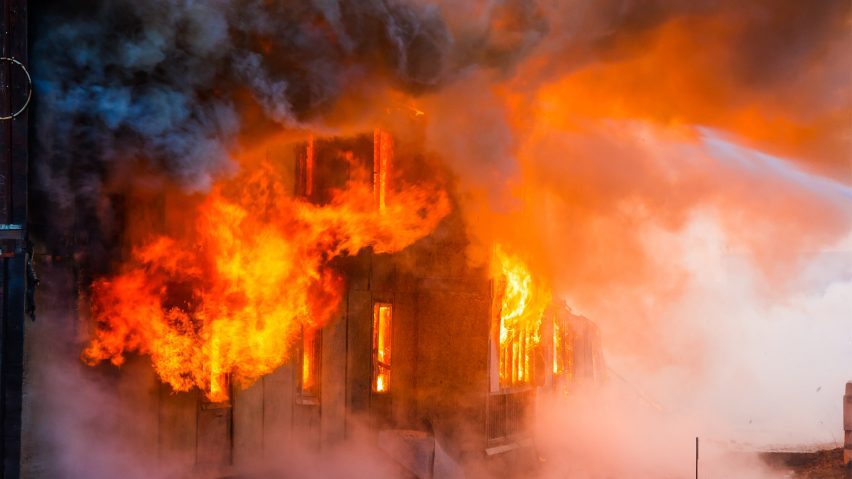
x=382 y=323
x=382 y=158
x=311 y=360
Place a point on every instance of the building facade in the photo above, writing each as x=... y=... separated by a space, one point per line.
x=411 y=363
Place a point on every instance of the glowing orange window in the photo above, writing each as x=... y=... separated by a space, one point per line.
x=517 y=356
x=382 y=157
x=311 y=348
x=382 y=318
x=563 y=349
x=519 y=303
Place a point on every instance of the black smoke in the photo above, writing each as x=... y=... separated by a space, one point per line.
x=161 y=86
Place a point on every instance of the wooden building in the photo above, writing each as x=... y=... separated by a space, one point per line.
x=408 y=363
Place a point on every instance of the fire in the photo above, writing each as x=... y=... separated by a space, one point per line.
x=522 y=304
x=382 y=318
x=226 y=299
x=382 y=153
x=309 y=355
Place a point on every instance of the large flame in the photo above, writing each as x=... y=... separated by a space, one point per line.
x=523 y=301
x=228 y=298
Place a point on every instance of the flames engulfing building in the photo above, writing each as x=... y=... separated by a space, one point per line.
x=435 y=362
x=302 y=294
x=397 y=340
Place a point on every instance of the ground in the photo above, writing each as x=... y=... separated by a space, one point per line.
x=826 y=464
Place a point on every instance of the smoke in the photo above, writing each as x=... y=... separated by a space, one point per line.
x=678 y=170
x=723 y=361
x=670 y=63
x=98 y=423
x=615 y=435
x=162 y=92
x=170 y=88
x=69 y=409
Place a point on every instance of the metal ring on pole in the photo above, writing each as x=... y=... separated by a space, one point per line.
x=29 y=88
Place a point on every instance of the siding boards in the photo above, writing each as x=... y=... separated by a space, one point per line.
x=278 y=390
x=138 y=396
x=404 y=363
x=333 y=381
x=214 y=433
x=358 y=357
x=452 y=367
x=248 y=424
x=177 y=428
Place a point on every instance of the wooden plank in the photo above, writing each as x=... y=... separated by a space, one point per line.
x=333 y=384
x=306 y=424
x=248 y=425
x=358 y=357
x=13 y=364
x=403 y=369
x=13 y=196
x=20 y=153
x=9 y=428
x=278 y=390
x=5 y=109
x=214 y=434
x=452 y=376
x=138 y=390
x=177 y=429
x=46 y=345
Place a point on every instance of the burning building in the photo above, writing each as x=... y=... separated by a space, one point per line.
x=318 y=293
x=389 y=334
x=265 y=226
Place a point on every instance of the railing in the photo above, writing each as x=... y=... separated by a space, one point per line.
x=508 y=413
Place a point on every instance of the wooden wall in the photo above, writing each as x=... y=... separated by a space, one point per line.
x=441 y=311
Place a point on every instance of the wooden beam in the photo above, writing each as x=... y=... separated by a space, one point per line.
x=13 y=210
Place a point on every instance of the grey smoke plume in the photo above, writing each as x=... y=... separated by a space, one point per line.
x=161 y=87
x=166 y=86
x=158 y=78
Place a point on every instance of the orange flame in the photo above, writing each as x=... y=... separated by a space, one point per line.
x=382 y=318
x=522 y=305
x=228 y=298
x=309 y=356
x=382 y=153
